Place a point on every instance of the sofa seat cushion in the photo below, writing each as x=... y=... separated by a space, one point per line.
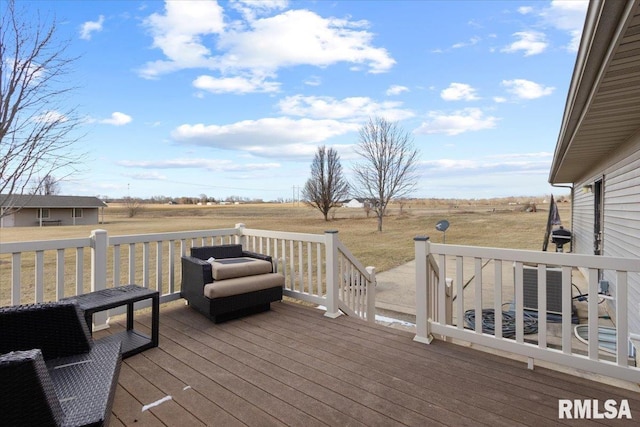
x=231 y=268
x=242 y=285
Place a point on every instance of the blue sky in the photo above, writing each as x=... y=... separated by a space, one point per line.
x=233 y=98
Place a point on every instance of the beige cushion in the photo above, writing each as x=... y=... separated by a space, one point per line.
x=242 y=285
x=230 y=268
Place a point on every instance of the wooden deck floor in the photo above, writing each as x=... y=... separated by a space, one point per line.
x=293 y=366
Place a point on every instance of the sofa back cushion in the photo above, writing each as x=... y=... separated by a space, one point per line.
x=218 y=251
x=230 y=268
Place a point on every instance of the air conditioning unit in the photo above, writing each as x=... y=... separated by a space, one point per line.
x=554 y=289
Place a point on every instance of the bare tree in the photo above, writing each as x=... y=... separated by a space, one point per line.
x=388 y=166
x=327 y=186
x=37 y=128
x=47 y=186
x=132 y=206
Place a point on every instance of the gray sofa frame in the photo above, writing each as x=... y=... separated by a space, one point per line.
x=196 y=273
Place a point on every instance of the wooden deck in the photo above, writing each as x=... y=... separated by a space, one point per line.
x=293 y=366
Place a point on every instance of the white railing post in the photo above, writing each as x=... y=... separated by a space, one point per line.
x=240 y=237
x=331 y=256
x=99 y=250
x=423 y=331
x=371 y=295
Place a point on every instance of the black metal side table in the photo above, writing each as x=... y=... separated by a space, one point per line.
x=133 y=341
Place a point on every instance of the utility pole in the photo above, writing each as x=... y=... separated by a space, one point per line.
x=296 y=199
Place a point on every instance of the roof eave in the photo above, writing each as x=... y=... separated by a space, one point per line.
x=604 y=23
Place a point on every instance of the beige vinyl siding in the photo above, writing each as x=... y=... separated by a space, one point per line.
x=622 y=224
x=582 y=220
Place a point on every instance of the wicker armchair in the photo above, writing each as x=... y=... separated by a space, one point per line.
x=51 y=371
x=222 y=300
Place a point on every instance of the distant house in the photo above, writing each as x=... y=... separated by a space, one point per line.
x=36 y=210
x=356 y=203
x=598 y=149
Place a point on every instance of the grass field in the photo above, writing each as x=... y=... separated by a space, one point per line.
x=495 y=224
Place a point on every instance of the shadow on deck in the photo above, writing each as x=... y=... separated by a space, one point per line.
x=293 y=366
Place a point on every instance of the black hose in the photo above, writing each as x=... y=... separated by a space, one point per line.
x=508 y=322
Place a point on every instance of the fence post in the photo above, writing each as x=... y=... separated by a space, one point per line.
x=423 y=333
x=240 y=237
x=331 y=247
x=371 y=295
x=99 y=250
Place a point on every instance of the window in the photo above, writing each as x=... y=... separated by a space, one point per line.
x=76 y=213
x=43 y=213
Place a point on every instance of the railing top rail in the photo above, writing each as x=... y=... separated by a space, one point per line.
x=43 y=245
x=285 y=235
x=174 y=235
x=352 y=259
x=535 y=257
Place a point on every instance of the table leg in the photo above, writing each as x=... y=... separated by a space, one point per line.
x=129 y=316
x=155 y=319
x=88 y=317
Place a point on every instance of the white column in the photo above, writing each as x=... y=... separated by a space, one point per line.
x=240 y=237
x=331 y=248
x=423 y=333
x=99 y=249
x=371 y=295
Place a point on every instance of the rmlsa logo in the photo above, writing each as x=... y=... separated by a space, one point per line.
x=593 y=409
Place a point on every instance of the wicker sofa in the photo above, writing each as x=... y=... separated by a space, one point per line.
x=51 y=371
x=225 y=282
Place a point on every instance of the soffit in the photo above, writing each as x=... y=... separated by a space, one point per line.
x=613 y=114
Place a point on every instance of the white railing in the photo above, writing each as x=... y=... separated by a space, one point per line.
x=450 y=304
x=318 y=269
x=314 y=266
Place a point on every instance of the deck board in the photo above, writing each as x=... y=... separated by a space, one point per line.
x=293 y=366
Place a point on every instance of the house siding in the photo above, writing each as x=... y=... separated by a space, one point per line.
x=621 y=222
x=28 y=217
x=582 y=220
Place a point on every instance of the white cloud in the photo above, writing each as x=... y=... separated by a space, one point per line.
x=301 y=37
x=179 y=32
x=525 y=10
x=217 y=165
x=90 y=27
x=459 y=92
x=471 y=42
x=396 y=90
x=192 y=34
x=529 y=42
x=236 y=84
x=499 y=99
x=352 y=108
x=268 y=137
x=567 y=16
x=526 y=89
x=313 y=81
x=50 y=116
x=506 y=163
x=251 y=9
x=466 y=120
x=147 y=176
x=117 y=119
